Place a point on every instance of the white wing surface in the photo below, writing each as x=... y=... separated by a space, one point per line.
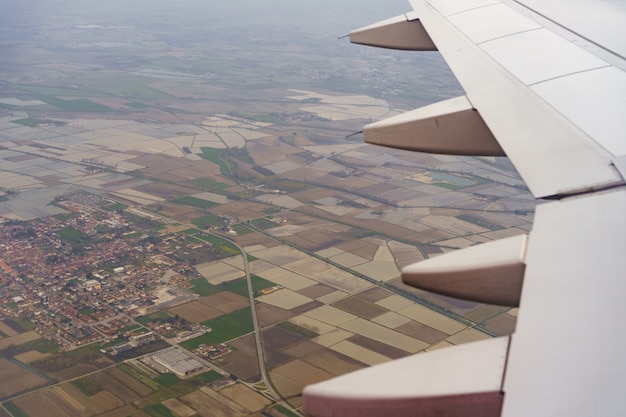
x=547 y=87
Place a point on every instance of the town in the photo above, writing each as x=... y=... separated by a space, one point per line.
x=83 y=277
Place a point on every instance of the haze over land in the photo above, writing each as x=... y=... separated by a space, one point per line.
x=178 y=175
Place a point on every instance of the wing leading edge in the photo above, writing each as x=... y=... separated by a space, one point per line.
x=557 y=111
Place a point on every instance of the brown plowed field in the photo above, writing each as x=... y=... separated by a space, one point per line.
x=360 y=248
x=275 y=357
x=305 y=307
x=179 y=408
x=303 y=373
x=303 y=349
x=333 y=362
x=195 y=311
x=118 y=389
x=207 y=406
x=243 y=210
x=374 y=294
x=243 y=365
x=422 y=332
x=269 y=314
x=246 y=397
x=279 y=339
x=378 y=347
x=166 y=191
x=127 y=410
x=245 y=344
x=316 y=291
x=504 y=324
x=20 y=379
x=45 y=403
x=226 y=301
x=130 y=381
x=360 y=307
x=484 y=312
x=106 y=400
x=251 y=239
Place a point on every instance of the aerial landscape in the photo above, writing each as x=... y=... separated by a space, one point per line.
x=189 y=225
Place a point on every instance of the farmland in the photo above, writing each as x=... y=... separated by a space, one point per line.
x=148 y=173
x=126 y=390
x=224 y=328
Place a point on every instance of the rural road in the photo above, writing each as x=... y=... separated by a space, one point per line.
x=257 y=336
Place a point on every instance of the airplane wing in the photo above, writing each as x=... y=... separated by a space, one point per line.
x=545 y=85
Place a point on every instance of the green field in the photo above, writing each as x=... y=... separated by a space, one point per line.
x=224 y=328
x=284 y=411
x=298 y=330
x=264 y=224
x=116 y=206
x=32 y=122
x=195 y=202
x=41 y=345
x=55 y=91
x=210 y=220
x=136 y=105
x=159 y=410
x=87 y=385
x=167 y=380
x=203 y=288
x=159 y=315
x=14 y=409
x=130 y=328
x=447 y=185
x=19 y=324
x=178 y=388
x=80 y=104
x=213 y=155
x=74 y=237
x=221 y=243
x=240 y=286
x=479 y=222
x=209 y=184
x=241 y=229
x=141 y=377
x=207 y=377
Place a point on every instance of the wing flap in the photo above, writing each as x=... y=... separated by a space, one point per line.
x=567 y=353
x=460 y=381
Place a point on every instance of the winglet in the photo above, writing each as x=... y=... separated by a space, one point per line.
x=491 y=272
x=401 y=32
x=448 y=127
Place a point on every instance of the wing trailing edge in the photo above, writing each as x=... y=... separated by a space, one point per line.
x=462 y=381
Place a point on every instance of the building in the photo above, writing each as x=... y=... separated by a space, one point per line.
x=177 y=361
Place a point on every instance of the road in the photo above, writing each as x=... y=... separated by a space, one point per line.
x=257 y=336
x=257 y=333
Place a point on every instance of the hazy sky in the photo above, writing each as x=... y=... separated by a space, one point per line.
x=333 y=15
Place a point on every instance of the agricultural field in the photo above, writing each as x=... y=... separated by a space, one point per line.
x=21 y=379
x=125 y=390
x=224 y=328
x=156 y=124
